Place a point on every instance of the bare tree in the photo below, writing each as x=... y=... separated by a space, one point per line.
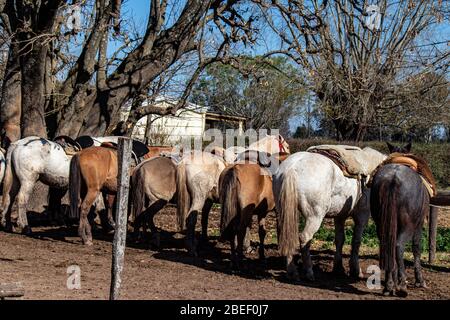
x=362 y=57
x=83 y=94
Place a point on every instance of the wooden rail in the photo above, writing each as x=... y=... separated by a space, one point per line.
x=441 y=199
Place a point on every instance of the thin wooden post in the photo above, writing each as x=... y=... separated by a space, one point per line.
x=120 y=235
x=432 y=233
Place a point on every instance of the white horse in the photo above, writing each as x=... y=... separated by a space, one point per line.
x=29 y=160
x=271 y=144
x=198 y=180
x=312 y=185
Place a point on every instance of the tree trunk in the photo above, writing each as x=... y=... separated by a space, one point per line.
x=10 y=107
x=33 y=84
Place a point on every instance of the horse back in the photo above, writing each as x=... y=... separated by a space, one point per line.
x=99 y=167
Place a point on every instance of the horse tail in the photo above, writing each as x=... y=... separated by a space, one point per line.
x=388 y=228
x=229 y=192
x=74 y=187
x=183 y=198
x=288 y=220
x=137 y=202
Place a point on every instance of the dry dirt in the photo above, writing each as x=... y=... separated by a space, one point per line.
x=40 y=263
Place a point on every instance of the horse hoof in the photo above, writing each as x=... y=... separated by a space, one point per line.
x=356 y=273
x=339 y=271
x=26 y=230
x=88 y=243
x=156 y=240
x=421 y=285
x=309 y=275
x=293 y=277
x=402 y=292
x=388 y=293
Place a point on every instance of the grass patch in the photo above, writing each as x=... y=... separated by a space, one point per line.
x=370 y=239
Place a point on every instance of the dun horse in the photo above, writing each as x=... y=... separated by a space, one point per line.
x=312 y=185
x=399 y=204
x=153 y=185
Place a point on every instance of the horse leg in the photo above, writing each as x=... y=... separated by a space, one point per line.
x=361 y=219
x=416 y=247
x=205 y=215
x=245 y=221
x=22 y=200
x=311 y=226
x=84 y=229
x=262 y=236
x=54 y=205
x=7 y=204
x=400 y=250
x=291 y=268
x=198 y=203
x=108 y=224
x=339 y=239
x=152 y=211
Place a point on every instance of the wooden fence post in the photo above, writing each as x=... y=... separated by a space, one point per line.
x=120 y=235
x=432 y=233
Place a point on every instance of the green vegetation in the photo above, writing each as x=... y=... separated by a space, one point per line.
x=369 y=238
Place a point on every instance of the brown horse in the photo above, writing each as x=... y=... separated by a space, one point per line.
x=93 y=170
x=156 y=151
x=245 y=190
x=153 y=185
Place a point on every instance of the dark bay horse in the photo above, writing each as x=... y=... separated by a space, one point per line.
x=399 y=202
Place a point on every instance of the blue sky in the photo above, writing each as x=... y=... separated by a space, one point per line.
x=139 y=9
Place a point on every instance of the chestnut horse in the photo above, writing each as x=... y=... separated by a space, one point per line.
x=94 y=170
x=246 y=190
x=399 y=202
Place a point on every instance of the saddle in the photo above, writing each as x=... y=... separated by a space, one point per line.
x=69 y=145
x=417 y=164
x=349 y=159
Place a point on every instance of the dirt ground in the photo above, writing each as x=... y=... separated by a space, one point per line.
x=40 y=263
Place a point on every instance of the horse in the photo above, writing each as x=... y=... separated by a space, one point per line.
x=93 y=170
x=197 y=186
x=314 y=186
x=197 y=189
x=399 y=202
x=29 y=160
x=245 y=191
x=271 y=144
x=156 y=151
x=153 y=185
